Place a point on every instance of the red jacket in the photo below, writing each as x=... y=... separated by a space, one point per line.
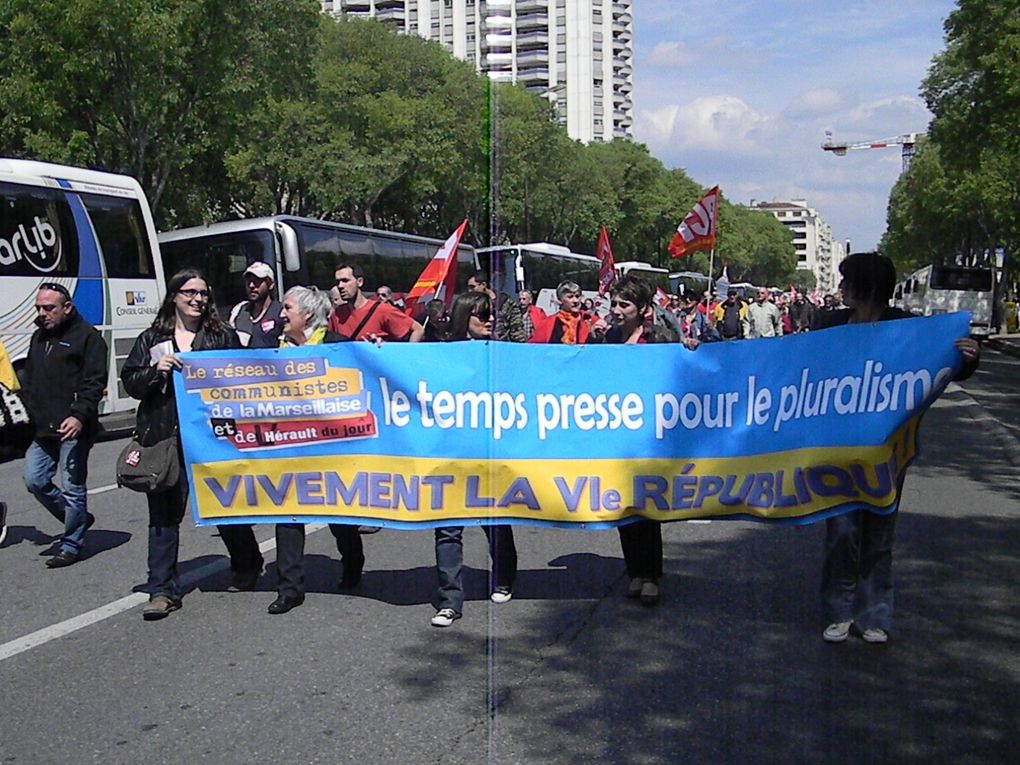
x=546 y=327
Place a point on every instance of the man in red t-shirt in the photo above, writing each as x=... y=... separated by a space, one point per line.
x=362 y=319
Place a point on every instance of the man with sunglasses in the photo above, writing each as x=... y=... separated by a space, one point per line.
x=64 y=379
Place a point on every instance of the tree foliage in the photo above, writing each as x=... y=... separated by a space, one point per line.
x=150 y=88
x=961 y=196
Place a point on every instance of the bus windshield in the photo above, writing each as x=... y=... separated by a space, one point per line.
x=958 y=278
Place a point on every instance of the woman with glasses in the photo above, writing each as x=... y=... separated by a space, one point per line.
x=186 y=321
x=306 y=322
x=471 y=319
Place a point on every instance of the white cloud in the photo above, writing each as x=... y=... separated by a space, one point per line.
x=717 y=52
x=721 y=123
x=815 y=103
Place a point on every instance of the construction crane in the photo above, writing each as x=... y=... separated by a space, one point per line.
x=908 y=141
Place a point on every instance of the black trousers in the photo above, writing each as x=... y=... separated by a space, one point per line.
x=642 y=548
x=167 y=508
x=290 y=554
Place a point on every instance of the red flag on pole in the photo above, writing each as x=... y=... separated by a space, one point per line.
x=439 y=279
x=661 y=298
x=697 y=231
x=607 y=267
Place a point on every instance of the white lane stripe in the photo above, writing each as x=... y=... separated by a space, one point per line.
x=87 y=619
x=103 y=489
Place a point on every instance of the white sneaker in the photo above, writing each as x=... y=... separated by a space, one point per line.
x=445 y=617
x=501 y=595
x=634 y=588
x=875 y=635
x=649 y=593
x=837 y=632
x=3 y=522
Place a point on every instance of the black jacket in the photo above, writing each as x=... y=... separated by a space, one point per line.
x=157 y=410
x=65 y=376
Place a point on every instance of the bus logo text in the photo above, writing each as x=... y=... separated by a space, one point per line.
x=32 y=246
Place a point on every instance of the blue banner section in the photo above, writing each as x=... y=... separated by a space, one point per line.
x=414 y=435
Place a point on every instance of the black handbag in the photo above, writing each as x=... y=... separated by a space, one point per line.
x=149 y=469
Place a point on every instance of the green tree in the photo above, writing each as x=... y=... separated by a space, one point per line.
x=973 y=89
x=151 y=88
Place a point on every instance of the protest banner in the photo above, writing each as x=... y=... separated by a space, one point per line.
x=411 y=435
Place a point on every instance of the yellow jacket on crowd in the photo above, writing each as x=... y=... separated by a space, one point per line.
x=7 y=377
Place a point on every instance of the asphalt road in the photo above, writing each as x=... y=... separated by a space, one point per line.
x=730 y=668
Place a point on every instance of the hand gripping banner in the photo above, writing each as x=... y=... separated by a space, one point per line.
x=420 y=435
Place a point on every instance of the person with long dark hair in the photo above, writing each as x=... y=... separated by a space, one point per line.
x=187 y=320
x=471 y=319
x=305 y=314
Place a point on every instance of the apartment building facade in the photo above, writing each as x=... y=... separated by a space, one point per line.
x=576 y=53
x=818 y=250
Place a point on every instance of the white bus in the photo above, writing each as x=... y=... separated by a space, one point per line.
x=540 y=267
x=689 y=283
x=946 y=289
x=93 y=233
x=657 y=277
x=302 y=251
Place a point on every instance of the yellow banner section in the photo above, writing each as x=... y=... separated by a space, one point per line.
x=415 y=490
x=335 y=382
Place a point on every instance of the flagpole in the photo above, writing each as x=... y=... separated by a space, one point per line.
x=711 y=266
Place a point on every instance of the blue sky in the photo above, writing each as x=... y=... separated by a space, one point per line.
x=741 y=94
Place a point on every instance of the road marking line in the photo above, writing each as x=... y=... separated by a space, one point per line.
x=96 y=615
x=103 y=489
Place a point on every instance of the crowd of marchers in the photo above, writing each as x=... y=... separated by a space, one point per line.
x=66 y=371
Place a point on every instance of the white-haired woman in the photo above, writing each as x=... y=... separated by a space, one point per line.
x=306 y=322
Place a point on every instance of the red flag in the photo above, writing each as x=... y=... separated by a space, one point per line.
x=607 y=267
x=697 y=231
x=439 y=279
x=661 y=297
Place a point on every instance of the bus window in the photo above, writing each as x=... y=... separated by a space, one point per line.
x=969 y=279
x=37 y=232
x=223 y=259
x=121 y=233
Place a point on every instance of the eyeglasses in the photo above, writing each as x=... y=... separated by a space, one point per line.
x=192 y=294
x=54 y=287
x=483 y=316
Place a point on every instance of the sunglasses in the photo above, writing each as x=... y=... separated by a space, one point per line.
x=54 y=287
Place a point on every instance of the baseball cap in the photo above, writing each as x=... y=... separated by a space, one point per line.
x=261 y=270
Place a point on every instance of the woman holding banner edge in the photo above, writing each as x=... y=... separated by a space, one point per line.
x=187 y=320
x=857 y=583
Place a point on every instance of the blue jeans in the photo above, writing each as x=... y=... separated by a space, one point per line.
x=450 y=561
x=69 y=506
x=857 y=580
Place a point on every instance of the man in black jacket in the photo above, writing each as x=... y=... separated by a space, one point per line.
x=64 y=379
